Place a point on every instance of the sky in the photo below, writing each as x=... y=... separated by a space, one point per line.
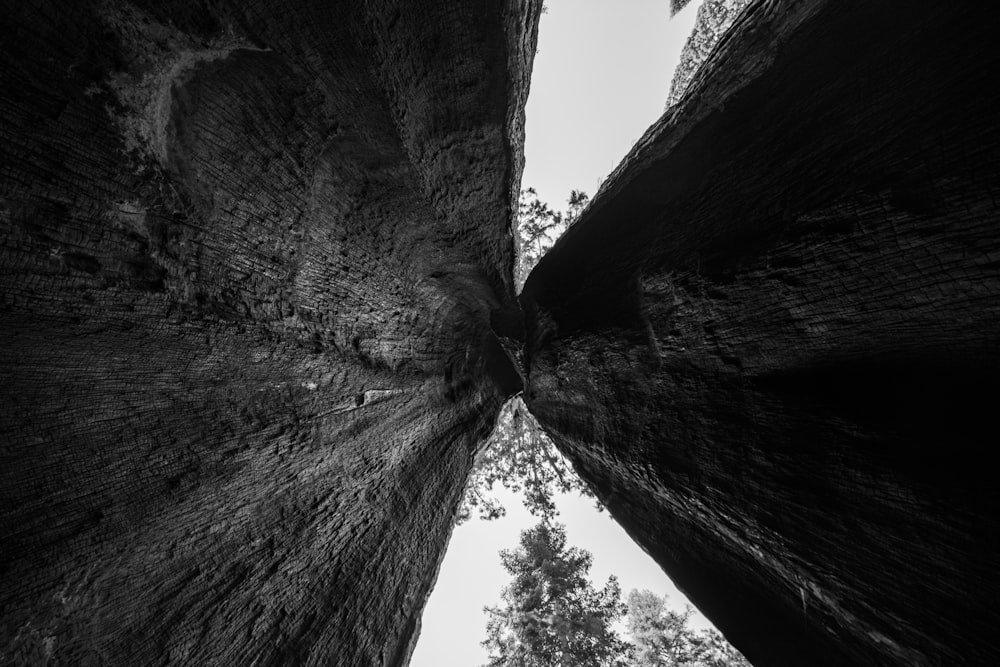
x=601 y=77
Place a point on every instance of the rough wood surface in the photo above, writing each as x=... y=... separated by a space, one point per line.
x=251 y=253
x=771 y=342
x=257 y=315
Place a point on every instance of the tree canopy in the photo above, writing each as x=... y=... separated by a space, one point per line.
x=521 y=457
x=552 y=616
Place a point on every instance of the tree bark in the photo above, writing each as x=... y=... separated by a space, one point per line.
x=251 y=256
x=770 y=342
x=258 y=316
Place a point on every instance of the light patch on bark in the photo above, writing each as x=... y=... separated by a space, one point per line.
x=161 y=57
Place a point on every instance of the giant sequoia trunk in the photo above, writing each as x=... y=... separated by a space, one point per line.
x=771 y=342
x=250 y=256
x=258 y=315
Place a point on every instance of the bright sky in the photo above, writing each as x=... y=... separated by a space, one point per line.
x=601 y=77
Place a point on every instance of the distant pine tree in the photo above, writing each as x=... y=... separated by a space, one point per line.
x=552 y=616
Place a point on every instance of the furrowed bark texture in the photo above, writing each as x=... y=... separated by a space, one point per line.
x=251 y=255
x=770 y=344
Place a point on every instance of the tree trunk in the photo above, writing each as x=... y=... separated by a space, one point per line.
x=258 y=316
x=770 y=343
x=250 y=259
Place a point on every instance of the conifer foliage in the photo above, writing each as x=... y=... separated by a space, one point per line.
x=520 y=457
x=552 y=616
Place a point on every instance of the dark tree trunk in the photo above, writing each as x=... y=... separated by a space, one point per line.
x=771 y=342
x=250 y=260
x=258 y=316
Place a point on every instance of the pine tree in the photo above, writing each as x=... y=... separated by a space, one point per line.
x=552 y=616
